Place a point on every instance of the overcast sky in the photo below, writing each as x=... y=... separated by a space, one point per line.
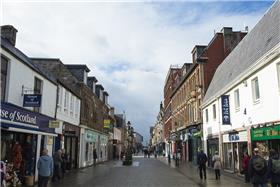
x=128 y=46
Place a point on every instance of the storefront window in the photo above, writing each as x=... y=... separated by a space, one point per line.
x=228 y=156
x=18 y=151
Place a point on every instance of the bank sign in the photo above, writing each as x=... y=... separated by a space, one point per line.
x=32 y=100
x=225 y=109
x=12 y=114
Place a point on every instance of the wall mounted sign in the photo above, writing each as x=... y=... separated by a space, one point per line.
x=53 y=124
x=12 y=114
x=225 y=109
x=266 y=133
x=32 y=100
x=107 y=123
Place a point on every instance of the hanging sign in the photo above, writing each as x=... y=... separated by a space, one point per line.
x=106 y=123
x=225 y=109
x=32 y=100
x=53 y=124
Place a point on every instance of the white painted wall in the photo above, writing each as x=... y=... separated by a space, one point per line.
x=21 y=75
x=65 y=115
x=266 y=110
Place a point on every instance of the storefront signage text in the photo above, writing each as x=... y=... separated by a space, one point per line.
x=266 y=133
x=32 y=100
x=17 y=116
x=225 y=109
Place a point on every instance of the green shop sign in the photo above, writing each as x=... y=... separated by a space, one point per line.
x=91 y=136
x=266 y=133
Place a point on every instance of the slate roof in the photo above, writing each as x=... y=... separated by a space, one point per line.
x=263 y=37
x=25 y=59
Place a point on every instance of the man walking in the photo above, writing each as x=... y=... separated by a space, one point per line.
x=57 y=165
x=274 y=168
x=201 y=161
x=45 y=168
x=258 y=170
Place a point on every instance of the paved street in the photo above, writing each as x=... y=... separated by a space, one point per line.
x=144 y=172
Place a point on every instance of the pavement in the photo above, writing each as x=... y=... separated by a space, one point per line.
x=145 y=172
x=191 y=172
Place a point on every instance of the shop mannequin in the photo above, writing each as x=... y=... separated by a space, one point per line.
x=17 y=158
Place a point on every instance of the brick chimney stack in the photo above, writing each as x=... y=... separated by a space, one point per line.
x=10 y=33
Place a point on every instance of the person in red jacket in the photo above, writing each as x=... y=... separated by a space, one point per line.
x=245 y=164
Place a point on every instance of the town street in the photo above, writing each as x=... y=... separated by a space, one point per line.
x=143 y=172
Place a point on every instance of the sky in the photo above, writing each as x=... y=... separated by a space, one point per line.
x=128 y=46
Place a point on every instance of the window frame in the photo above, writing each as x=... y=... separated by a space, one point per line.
x=37 y=90
x=237 y=100
x=5 y=73
x=278 y=74
x=214 y=108
x=206 y=115
x=255 y=90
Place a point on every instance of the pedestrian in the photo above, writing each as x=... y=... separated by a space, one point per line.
x=217 y=165
x=94 y=157
x=245 y=166
x=258 y=170
x=274 y=168
x=64 y=163
x=201 y=161
x=45 y=169
x=57 y=165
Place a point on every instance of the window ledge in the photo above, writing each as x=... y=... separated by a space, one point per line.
x=255 y=102
x=237 y=109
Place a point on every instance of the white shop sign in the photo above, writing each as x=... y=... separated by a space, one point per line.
x=235 y=137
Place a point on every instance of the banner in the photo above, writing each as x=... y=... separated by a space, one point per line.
x=225 y=110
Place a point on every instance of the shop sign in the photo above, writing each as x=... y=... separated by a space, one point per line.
x=53 y=124
x=91 y=136
x=32 y=100
x=266 y=133
x=233 y=137
x=107 y=123
x=225 y=109
x=12 y=114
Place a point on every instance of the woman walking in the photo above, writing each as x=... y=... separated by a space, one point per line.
x=245 y=165
x=217 y=165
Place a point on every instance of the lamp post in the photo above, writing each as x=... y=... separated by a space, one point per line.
x=128 y=156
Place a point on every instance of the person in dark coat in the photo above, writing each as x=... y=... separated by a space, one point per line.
x=201 y=161
x=245 y=166
x=94 y=157
x=258 y=170
x=57 y=165
x=272 y=175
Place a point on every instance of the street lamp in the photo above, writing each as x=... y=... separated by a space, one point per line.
x=128 y=156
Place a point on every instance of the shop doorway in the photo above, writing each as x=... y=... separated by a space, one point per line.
x=71 y=148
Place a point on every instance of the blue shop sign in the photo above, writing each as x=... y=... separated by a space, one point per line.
x=32 y=100
x=18 y=117
x=233 y=137
x=225 y=109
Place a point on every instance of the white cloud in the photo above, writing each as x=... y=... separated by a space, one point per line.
x=104 y=34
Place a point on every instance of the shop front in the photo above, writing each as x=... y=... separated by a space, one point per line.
x=103 y=148
x=90 y=139
x=235 y=144
x=266 y=138
x=212 y=147
x=23 y=135
x=194 y=143
x=71 y=139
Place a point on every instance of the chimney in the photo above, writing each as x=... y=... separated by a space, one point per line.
x=10 y=33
